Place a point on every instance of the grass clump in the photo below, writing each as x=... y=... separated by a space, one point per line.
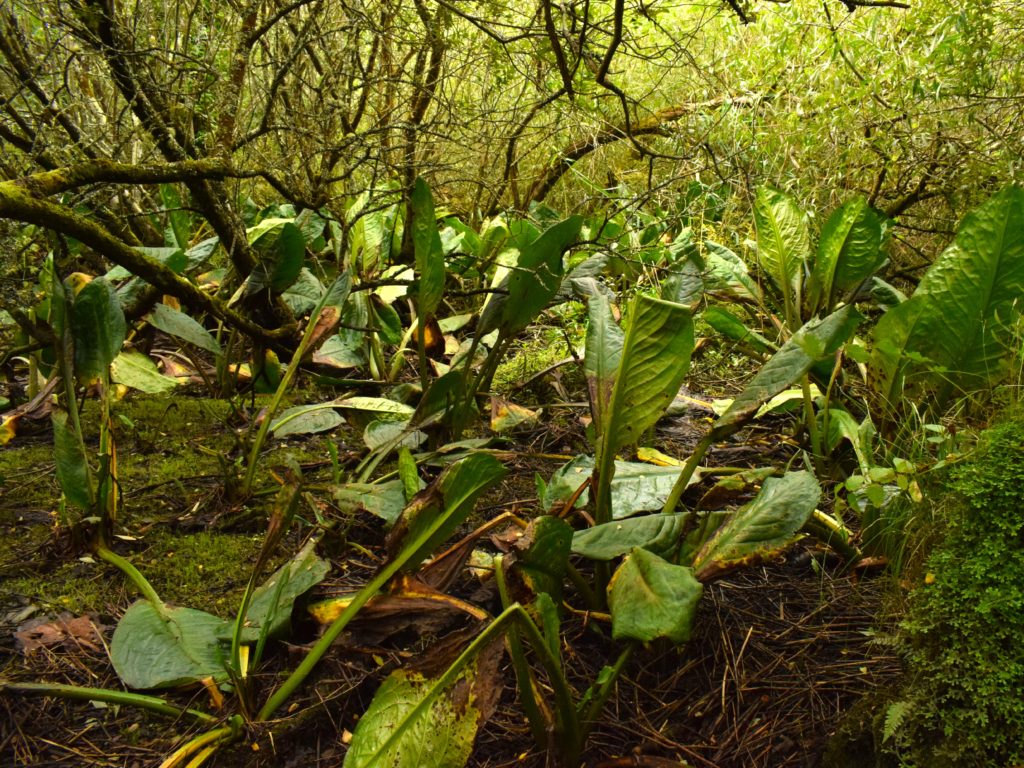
x=964 y=704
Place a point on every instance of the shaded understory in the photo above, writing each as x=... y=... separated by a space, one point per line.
x=780 y=655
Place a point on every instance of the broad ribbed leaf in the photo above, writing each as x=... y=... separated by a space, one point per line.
x=180 y=229
x=655 y=359
x=375 y=405
x=271 y=608
x=952 y=334
x=635 y=486
x=783 y=245
x=165 y=648
x=413 y=723
x=542 y=556
x=434 y=514
x=133 y=369
x=178 y=324
x=842 y=426
x=814 y=341
x=538 y=273
x=302 y=295
x=281 y=259
x=72 y=466
x=651 y=598
x=730 y=326
x=760 y=529
x=427 y=245
x=655 y=533
x=307 y=419
x=98 y=328
x=685 y=284
x=849 y=252
x=603 y=355
x=726 y=272
x=268 y=229
x=385 y=500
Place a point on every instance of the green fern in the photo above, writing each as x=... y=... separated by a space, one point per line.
x=894 y=717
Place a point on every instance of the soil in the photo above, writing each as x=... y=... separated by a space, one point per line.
x=781 y=652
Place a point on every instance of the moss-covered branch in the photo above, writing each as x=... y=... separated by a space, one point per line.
x=46 y=183
x=18 y=204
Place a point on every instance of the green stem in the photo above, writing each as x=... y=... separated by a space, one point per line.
x=490 y=366
x=76 y=693
x=296 y=678
x=834 y=534
x=279 y=393
x=136 y=577
x=601 y=697
x=203 y=756
x=586 y=592
x=203 y=742
x=684 y=477
x=514 y=613
x=106 y=481
x=527 y=690
x=811 y=420
x=571 y=737
x=450 y=675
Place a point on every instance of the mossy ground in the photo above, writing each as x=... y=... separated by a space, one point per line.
x=174 y=455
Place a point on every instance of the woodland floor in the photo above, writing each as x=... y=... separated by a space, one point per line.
x=781 y=653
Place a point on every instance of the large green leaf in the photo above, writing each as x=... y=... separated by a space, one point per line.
x=783 y=245
x=412 y=723
x=730 y=326
x=685 y=283
x=842 y=426
x=534 y=281
x=603 y=354
x=952 y=334
x=98 y=328
x=434 y=513
x=72 y=465
x=814 y=341
x=307 y=419
x=427 y=245
x=726 y=272
x=271 y=607
x=302 y=295
x=133 y=369
x=656 y=533
x=281 y=260
x=542 y=556
x=374 y=405
x=178 y=324
x=761 y=528
x=385 y=500
x=650 y=598
x=266 y=231
x=180 y=229
x=655 y=359
x=849 y=252
x=635 y=486
x=168 y=647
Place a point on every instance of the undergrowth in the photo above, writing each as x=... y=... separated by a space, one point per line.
x=964 y=702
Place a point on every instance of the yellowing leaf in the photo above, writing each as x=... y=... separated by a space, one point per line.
x=656 y=457
x=8 y=428
x=506 y=415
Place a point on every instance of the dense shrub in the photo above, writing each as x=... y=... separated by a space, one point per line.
x=964 y=631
